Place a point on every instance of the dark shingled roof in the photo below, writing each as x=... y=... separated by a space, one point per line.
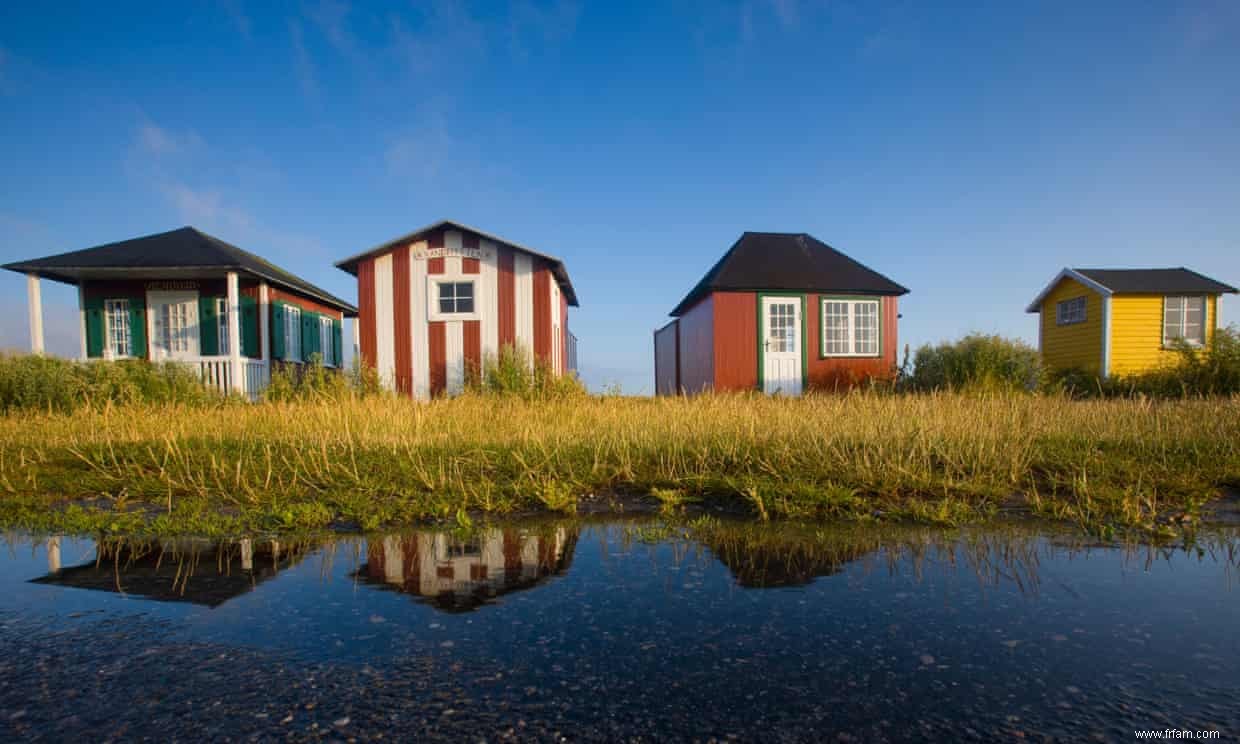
x=185 y=248
x=1159 y=281
x=795 y=262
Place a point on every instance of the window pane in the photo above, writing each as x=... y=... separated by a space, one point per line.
x=465 y=304
x=836 y=327
x=465 y=289
x=447 y=291
x=446 y=305
x=221 y=311
x=865 y=318
x=117 y=317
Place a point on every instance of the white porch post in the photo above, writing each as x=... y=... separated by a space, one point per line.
x=35 y=296
x=236 y=373
x=82 y=321
x=264 y=323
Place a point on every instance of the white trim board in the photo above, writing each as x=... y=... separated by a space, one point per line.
x=1066 y=273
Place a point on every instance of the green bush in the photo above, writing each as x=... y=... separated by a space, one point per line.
x=31 y=382
x=511 y=372
x=313 y=381
x=975 y=362
x=1214 y=370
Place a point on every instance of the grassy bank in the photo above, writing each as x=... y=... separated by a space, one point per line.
x=941 y=458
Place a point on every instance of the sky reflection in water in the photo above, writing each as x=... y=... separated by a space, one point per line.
x=1017 y=624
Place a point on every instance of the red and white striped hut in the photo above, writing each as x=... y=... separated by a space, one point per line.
x=436 y=302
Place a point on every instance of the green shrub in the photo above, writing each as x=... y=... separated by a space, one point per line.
x=1214 y=370
x=975 y=362
x=511 y=372
x=32 y=382
x=313 y=381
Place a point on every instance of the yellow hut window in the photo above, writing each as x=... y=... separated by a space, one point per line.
x=1184 y=320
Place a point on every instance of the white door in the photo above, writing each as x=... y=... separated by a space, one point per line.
x=781 y=345
x=173 y=324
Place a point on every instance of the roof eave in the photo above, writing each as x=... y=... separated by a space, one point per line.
x=57 y=274
x=1066 y=273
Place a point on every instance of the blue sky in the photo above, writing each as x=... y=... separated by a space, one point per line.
x=966 y=151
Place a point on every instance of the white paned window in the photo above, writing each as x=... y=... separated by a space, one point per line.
x=850 y=328
x=452 y=297
x=327 y=342
x=1070 y=312
x=292 y=333
x=1184 y=319
x=172 y=327
x=781 y=327
x=456 y=297
x=221 y=312
x=120 y=338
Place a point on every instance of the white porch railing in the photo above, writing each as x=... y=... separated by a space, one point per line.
x=216 y=373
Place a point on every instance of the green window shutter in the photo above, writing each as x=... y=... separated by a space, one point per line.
x=337 y=343
x=137 y=326
x=208 y=326
x=309 y=334
x=277 y=330
x=94 y=327
x=249 y=326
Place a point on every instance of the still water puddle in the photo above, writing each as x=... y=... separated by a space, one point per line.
x=614 y=629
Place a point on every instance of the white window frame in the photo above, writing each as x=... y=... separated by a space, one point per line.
x=1182 y=302
x=851 y=340
x=432 y=296
x=327 y=341
x=221 y=324
x=116 y=323
x=292 y=334
x=1071 y=311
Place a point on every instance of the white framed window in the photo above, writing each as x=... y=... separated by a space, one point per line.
x=850 y=328
x=327 y=342
x=1184 y=319
x=221 y=313
x=1070 y=312
x=292 y=333
x=120 y=336
x=452 y=297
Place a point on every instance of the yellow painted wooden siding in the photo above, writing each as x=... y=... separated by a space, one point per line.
x=1136 y=332
x=1077 y=346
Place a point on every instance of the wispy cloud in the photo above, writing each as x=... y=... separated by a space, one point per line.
x=303 y=64
x=159 y=141
x=442 y=37
x=788 y=12
x=172 y=164
x=236 y=13
x=536 y=25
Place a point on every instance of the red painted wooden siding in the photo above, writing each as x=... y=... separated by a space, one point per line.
x=506 y=291
x=736 y=340
x=840 y=373
x=469 y=241
x=542 y=311
x=305 y=303
x=438 y=353
x=367 y=333
x=402 y=319
x=434 y=240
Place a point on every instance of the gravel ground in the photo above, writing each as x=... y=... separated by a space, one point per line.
x=125 y=679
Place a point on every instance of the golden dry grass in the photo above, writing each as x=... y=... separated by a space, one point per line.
x=934 y=457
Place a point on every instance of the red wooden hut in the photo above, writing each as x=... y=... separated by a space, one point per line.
x=781 y=313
